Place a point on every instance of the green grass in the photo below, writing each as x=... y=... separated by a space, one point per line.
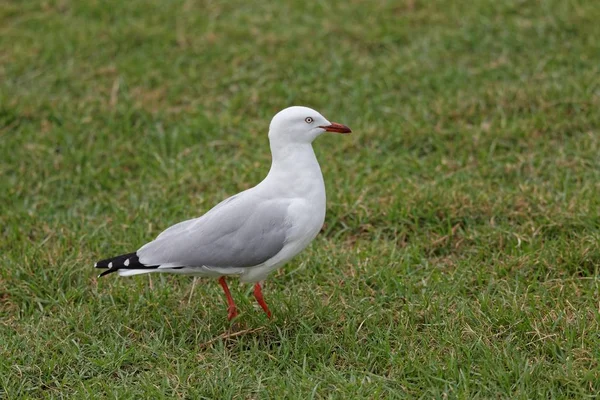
x=461 y=248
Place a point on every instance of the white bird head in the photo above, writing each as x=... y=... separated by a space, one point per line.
x=301 y=125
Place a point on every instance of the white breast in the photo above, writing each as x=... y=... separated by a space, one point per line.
x=306 y=220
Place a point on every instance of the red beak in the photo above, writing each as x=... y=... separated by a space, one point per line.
x=335 y=127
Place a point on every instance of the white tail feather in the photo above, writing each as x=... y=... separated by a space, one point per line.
x=131 y=272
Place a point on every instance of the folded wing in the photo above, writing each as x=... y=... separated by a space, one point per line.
x=242 y=231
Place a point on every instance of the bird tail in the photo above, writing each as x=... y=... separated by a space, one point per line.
x=129 y=261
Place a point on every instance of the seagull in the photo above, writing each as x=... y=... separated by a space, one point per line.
x=253 y=232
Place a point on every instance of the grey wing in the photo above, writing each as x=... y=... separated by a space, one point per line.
x=185 y=225
x=243 y=231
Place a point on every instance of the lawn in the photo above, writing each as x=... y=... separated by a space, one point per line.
x=461 y=247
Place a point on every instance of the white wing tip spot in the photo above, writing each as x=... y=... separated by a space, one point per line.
x=110 y=265
x=95 y=265
x=126 y=263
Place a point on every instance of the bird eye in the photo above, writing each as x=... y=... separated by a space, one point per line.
x=308 y=120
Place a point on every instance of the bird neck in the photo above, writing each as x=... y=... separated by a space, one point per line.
x=295 y=165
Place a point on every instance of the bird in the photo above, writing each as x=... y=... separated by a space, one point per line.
x=256 y=231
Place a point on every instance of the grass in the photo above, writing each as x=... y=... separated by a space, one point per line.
x=461 y=248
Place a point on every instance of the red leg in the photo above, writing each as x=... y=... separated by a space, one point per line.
x=231 y=310
x=259 y=297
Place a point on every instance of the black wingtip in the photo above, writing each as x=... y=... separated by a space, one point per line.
x=108 y=271
x=114 y=263
x=125 y=261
